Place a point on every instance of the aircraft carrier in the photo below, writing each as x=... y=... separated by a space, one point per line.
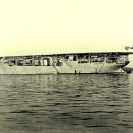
x=68 y=63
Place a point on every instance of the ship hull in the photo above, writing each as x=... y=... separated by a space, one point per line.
x=27 y=69
x=90 y=68
x=65 y=69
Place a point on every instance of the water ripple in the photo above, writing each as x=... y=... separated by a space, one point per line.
x=66 y=103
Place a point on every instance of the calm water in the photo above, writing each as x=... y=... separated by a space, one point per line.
x=66 y=103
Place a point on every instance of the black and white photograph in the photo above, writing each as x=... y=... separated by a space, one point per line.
x=66 y=66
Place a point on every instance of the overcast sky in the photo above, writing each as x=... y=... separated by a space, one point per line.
x=58 y=26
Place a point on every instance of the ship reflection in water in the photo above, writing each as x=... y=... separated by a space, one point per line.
x=66 y=103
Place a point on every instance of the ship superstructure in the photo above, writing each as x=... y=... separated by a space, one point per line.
x=77 y=63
